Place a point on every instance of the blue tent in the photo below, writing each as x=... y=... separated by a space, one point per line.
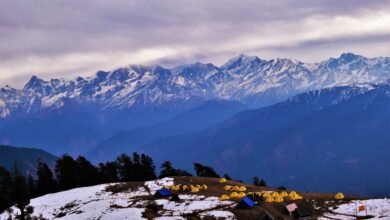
x=246 y=203
x=163 y=193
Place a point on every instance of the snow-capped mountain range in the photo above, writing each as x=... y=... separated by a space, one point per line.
x=248 y=79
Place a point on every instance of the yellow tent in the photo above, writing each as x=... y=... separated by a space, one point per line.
x=224 y=197
x=266 y=195
x=227 y=187
x=235 y=188
x=275 y=194
x=284 y=194
x=167 y=187
x=199 y=186
x=278 y=199
x=292 y=194
x=195 y=189
x=295 y=197
x=339 y=196
x=258 y=193
x=269 y=199
x=250 y=193
x=242 y=189
x=204 y=187
x=222 y=180
x=241 y=195
x=175 y=188
x=185 y=188
x=233 y=195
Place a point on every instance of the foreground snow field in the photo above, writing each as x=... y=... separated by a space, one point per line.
x=96 y=202
x=135 y=200
x=377 y=208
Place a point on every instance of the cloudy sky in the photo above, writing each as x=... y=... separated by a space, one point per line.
x=53 y=38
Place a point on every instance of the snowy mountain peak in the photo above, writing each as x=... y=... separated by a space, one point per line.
x=248 y=79
x=241 y=60
x=349 y=57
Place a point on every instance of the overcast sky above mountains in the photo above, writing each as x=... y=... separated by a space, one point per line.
x=67 y=38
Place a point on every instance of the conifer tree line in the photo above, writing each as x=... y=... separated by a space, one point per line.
x=68 y=173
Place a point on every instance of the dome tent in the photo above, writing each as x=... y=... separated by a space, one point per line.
x=339 y=196
x=224 y=197
x=233 y=195
x=245 y=203
x=222 y=180
x=163 y=193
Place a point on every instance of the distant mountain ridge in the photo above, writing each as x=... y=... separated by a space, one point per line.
x=248 y=79
x=74 y=116
x=25 y=158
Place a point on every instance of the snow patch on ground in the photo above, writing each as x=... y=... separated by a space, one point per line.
x=379 y=208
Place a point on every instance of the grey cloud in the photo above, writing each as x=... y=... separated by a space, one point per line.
x=203 y=30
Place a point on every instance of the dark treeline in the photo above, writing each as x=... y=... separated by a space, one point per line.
x=17 y=189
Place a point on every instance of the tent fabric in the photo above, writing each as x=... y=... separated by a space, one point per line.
x=224 y=197
x=204 y=187
x=163 y=193
x=185 y=188
x=246 y=203
x=222 y=180
x=292 y=194
x=241 y=195
x=233 y=195
x=269 y=199
x=194 y=189
x=266 y=194
x=278 y=199
x=175 y=188
x=284 y=194
x=227 y=187
x=339 y=196
x=242 y=189
x=291 y=207
x=235 y=188
x=275 y=194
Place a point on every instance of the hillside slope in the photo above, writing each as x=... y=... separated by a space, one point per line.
x=26 y=158
x=135 y=200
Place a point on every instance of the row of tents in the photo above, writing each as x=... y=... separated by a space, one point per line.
x=187 y=188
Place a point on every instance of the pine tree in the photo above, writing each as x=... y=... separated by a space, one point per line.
x=227 y=177
x=137 y=166
x=148 y=168
x=20 y=193
x=45 y=182
x=125 y=168
x=168 y=170
x=31 y=186
x=87 y=174
x=108 y=172
x=259 y=182
x=5 y=189
x=66 y=172
x=205 y=171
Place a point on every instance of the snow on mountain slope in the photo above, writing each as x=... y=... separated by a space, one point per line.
x=251 y=80
x=97 y=202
